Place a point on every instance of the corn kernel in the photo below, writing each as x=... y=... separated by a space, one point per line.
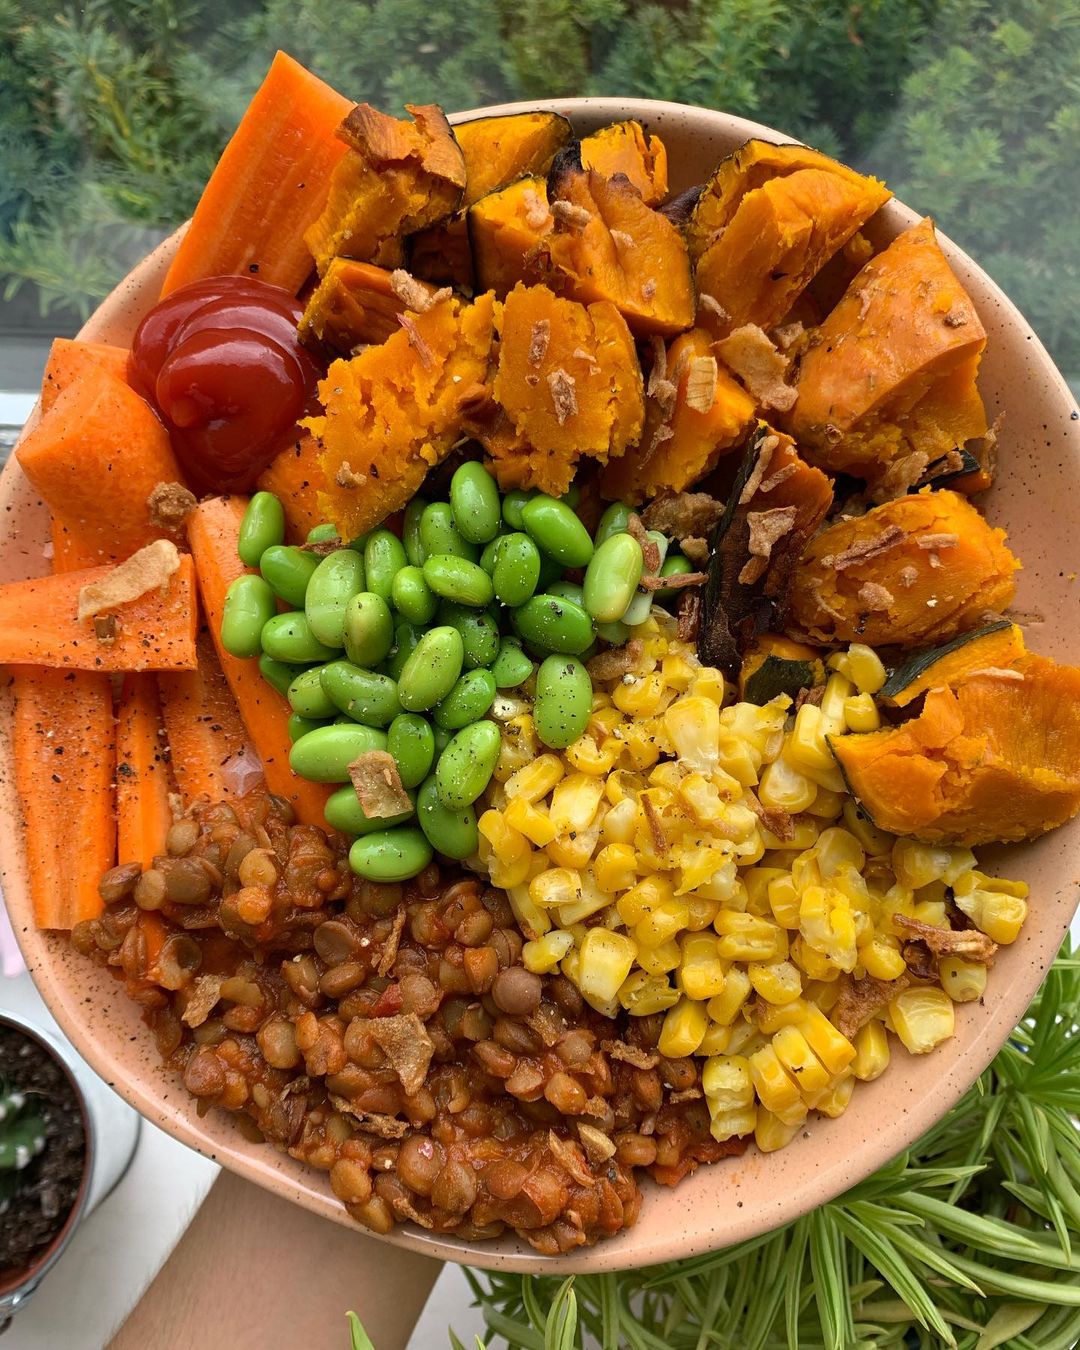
x=828 y=803
x=642 y=994
x=701 y=973
x=733 y=1124
x=537 y=779
x=544 y=954
x=726 y=1082
x=574 y=802
x=684 y=1029
x=555 y=886
x=837 y=851
x=783 y=898
x=831 y=1046
x=745 y=1039
x=533 y=823
x=693 y=724
x=725 y=1006
x=881 y=957
x=643 y=898
x=837 y=1099
x=806 y=746
x=865 y=669
x=794 y=1053
x=861 y=714
x=621 y=785
x=826 y=926
x=716 y=1041
x=606 y=960
x=770 y=1017
x=701 y=911
x=871 y=1052
x=644 y=697
x=777 y=982
x=519 y=747
x=614 y=867
x=666 y=920
x=922 y=1018
x=822 y=994
x=709 y=683
x=745 y=937
x=803 y=836
x=574 y=849
x=995 y=911
x=591 y=901
x=963 y=981
x=916 y=864
x=620 y=823
x=531 y=919
x=660 y=960
x=784 y=788
x=770 y=1132
x=508 y=844
x=775 y=1087
x=642 y=746
x=588 y=757
x=838 y=689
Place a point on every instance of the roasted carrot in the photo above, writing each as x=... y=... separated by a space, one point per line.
x=69 y=359
x=295 y=476
x=38 y=624
x=269 y=185
x=71 y=553
x=212 y=531
x=202 y=726
x=95 y=457
x=153 y=931
x=64 y=751
x=143 y=816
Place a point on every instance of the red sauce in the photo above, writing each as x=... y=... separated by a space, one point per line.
x=221 y=363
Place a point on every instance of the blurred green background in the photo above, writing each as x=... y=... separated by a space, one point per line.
x=112 y=112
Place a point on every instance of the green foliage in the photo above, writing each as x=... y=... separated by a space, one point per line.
x=112 y=112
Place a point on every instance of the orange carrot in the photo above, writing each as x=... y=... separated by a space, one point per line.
x=269 y=185
x=295 y=476
x=38 y=624
x=154 y=931
x=143 y=816
x=212 y=531
x=71 y=553
x=64 y=752
x=95 y=457
x=69 y=361
x=202 y=726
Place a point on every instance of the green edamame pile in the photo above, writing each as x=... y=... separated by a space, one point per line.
x=408 y=644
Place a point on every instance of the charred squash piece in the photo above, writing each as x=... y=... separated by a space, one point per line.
x=776 y=504
x=499 y=150
x=608 y=245
x=695 y=412
x=776 y=665
x=355 y=304
x=915 y=570
x=441 y=254
x=961 y=469
x=394 y=411
x=397 y=178
x=998 y=646
x=997 y=758
x=569 y=382
x=625 y=148
x=892 y=369
x=505 y=230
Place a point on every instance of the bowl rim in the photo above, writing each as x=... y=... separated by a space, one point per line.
x=637 y=1246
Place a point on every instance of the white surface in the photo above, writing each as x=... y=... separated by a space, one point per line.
x=119 y=1249
x=447 y=1306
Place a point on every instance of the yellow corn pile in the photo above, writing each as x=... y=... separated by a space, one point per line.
x=702 y=858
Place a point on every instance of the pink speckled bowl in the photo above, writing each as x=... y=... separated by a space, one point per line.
x=1039 y=478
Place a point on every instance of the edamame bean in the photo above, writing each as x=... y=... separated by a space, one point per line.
x=572 y=497
x=487 y=557
x=557 y=530
x=410 y=532
x=298 y=725
x=511 y=667
x=344 y=812
x=406 y=638
x=563 y=701
x=322 y=534
x=263 y=526
x=324 y=755
x=363 y=695
x=612 y=577
x=458 y=579
x=368 y=629
x=277 y=674
x=249 y=603
x=614 y=521
x=439 y=534
x=675 y=565
x=450 y=832
x=384 y=557
x=516 y=573
x=432 y=669
x=333 y=584
x=474 y=502
x=468 y=701
x=550 y=571
x=568 y=590
x=391 y=855
x=411 y=741
x=443 y=737
x=466 y=765
x=640 y=607
x=554 y=624
x=413 y=598
x=616 y=633
x=512 y=506
x=288 y=637
x=479 y=631
x=288 y=569
x=308 y=698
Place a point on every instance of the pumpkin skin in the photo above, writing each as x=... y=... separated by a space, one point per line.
x=998 y=646
x=994 y=759
x=776 y=665
x=932 y=568
x=499 y=150
x=353 y=305
x=505 y=230
x=625 y=148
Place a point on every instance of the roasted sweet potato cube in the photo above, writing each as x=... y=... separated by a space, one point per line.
x=355 y=304
x=505 y=230
x=625 y=148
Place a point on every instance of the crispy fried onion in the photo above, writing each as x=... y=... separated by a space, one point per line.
x=145 y=571
x=378 y=785
x=404 y=1041
x=968 y=942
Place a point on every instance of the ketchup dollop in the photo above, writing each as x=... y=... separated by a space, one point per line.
x=221 y=363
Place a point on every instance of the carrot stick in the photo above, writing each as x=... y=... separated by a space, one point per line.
x=143 y=816
x=269 y=185
x=95 y=457
x=64 y=751
x=38 y=624
x=202 y=727
x=69 y=361
x=294 y=475
x=212 y=532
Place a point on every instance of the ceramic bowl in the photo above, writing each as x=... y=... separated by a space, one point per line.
x=736 y=1199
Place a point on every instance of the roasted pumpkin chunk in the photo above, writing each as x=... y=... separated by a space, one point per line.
x=915 y=570
x=624 y=147
x=608 y=245
x=441 y=253
x=499 y=150
x=295 y=476
x=694 y=413
x=569 y=382
x=996 y=647
x=394 y=411
x=776 y=504
x=776 y=665
x=891 y=371
x=356 y=304
x=398 y=177
x=505 y=230
x=997 y=758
